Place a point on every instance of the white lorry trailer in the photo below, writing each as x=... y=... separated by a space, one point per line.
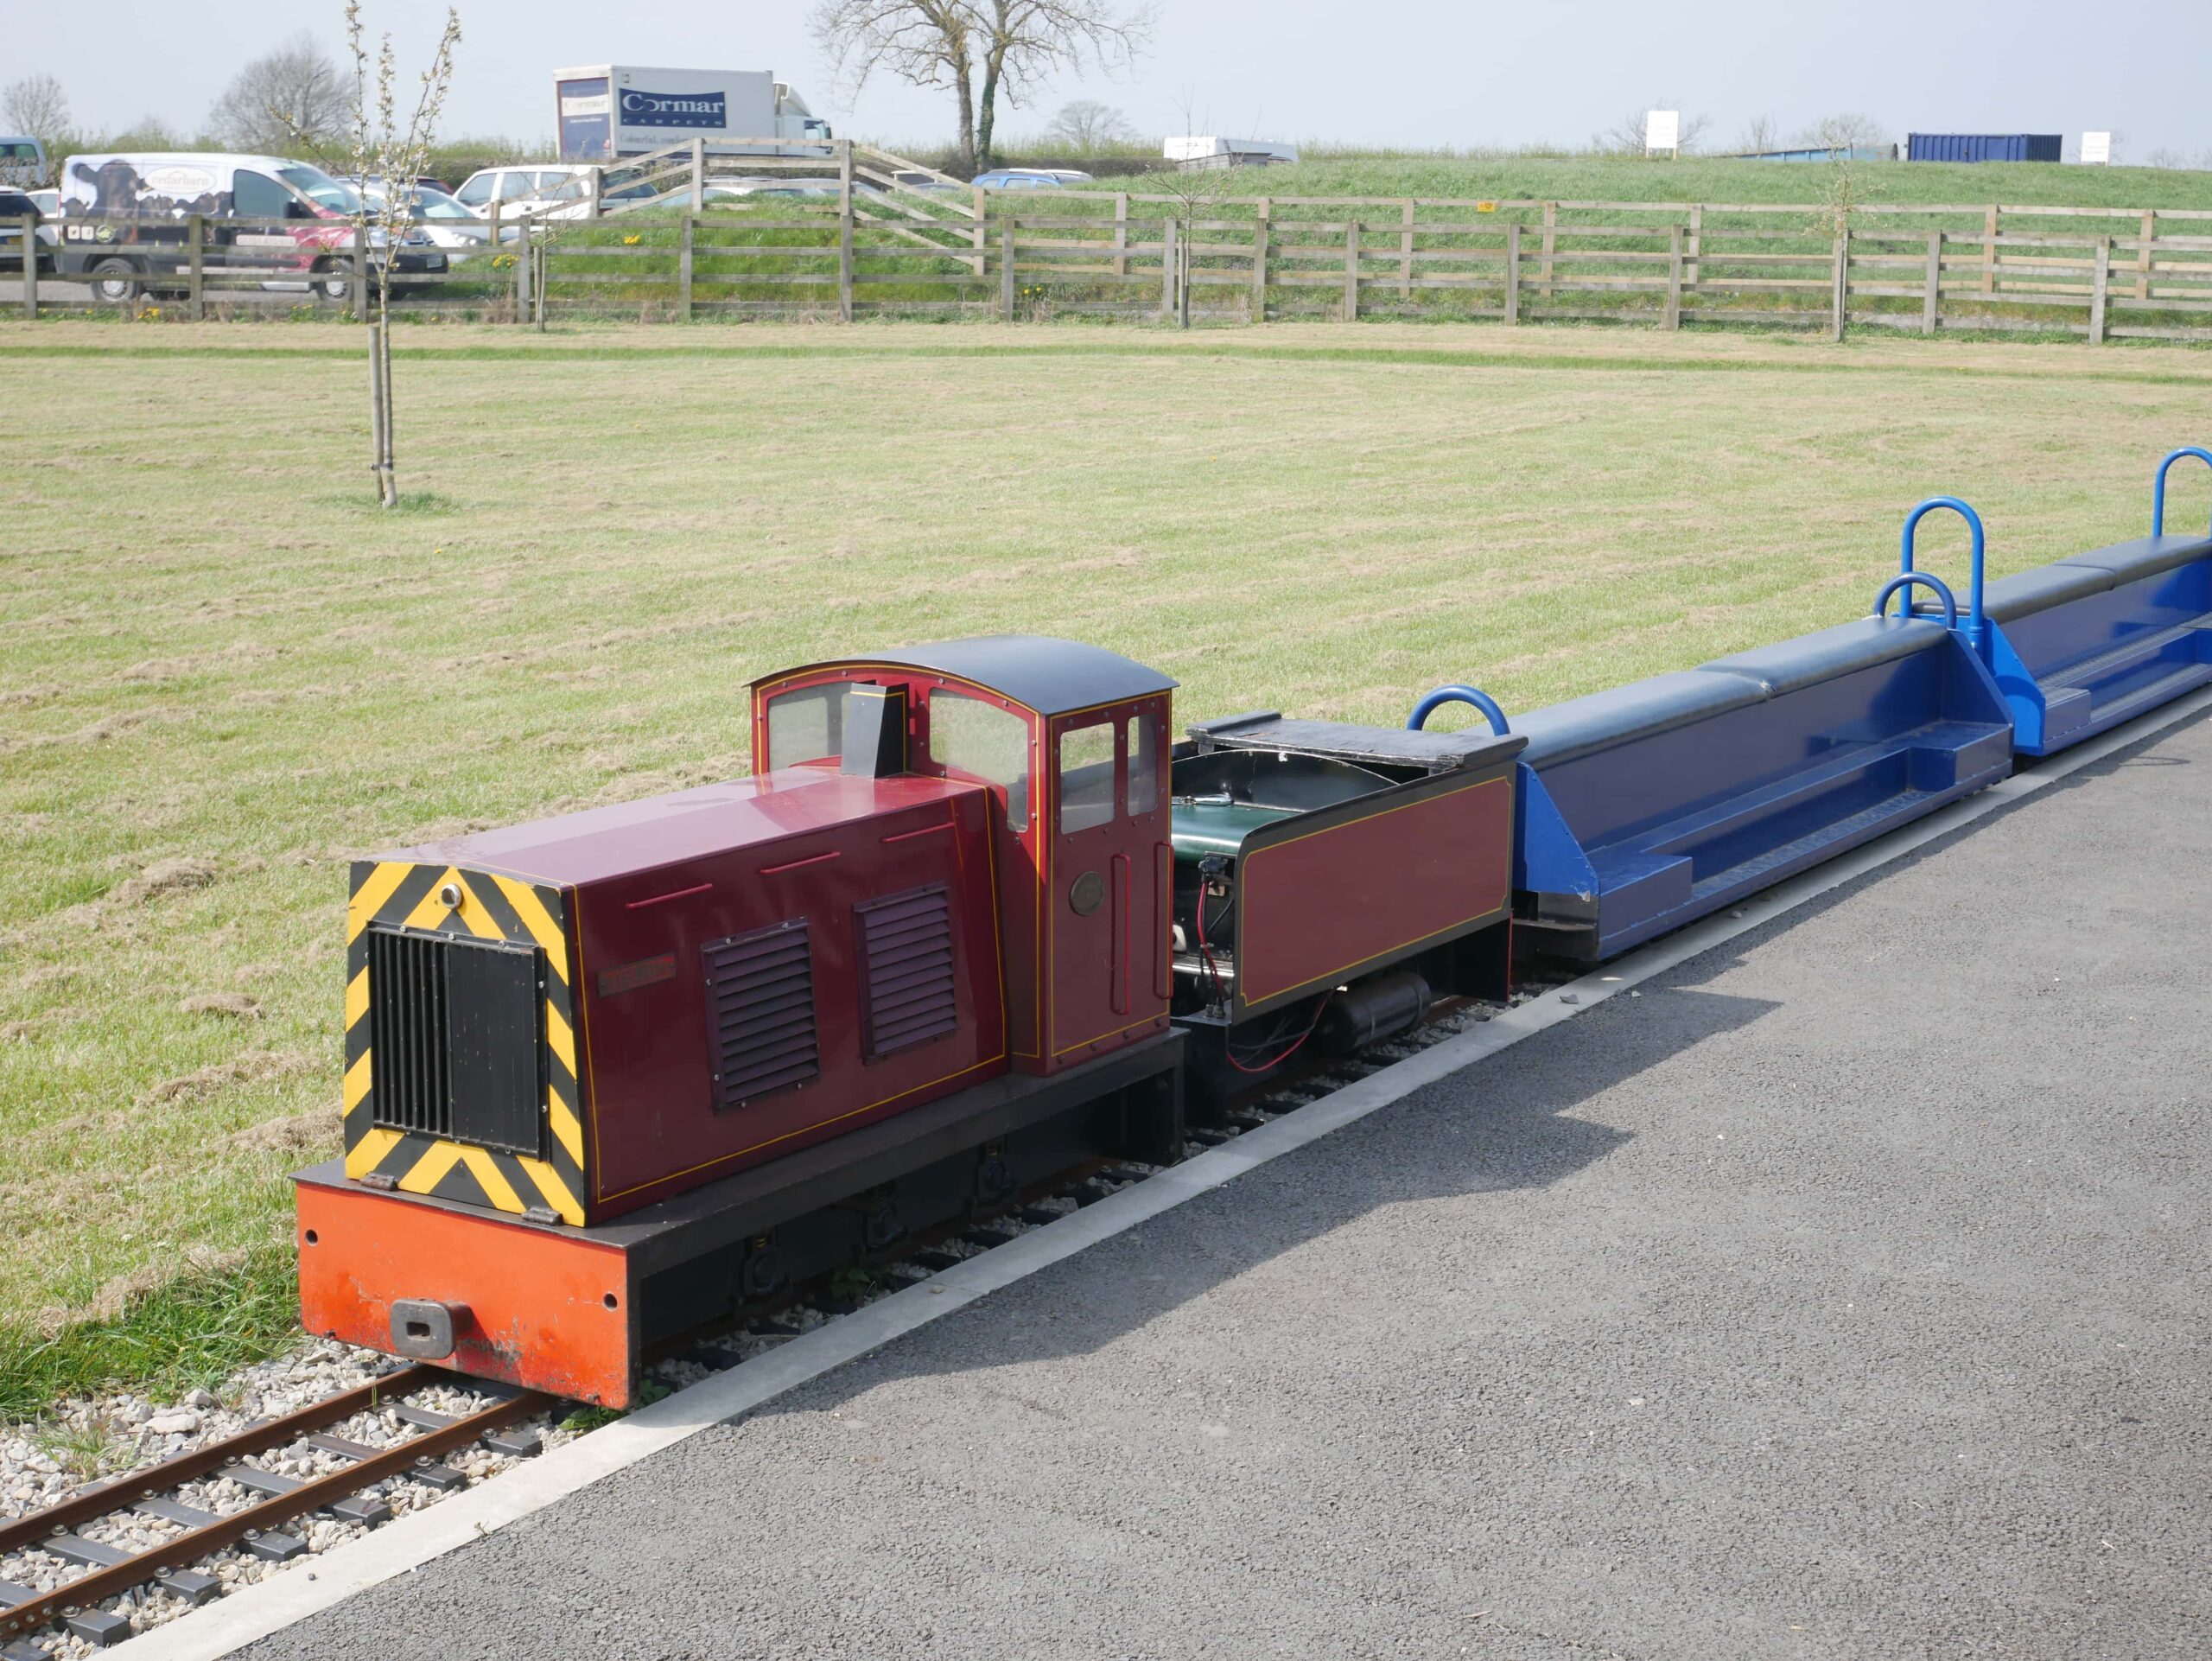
x=608 y=111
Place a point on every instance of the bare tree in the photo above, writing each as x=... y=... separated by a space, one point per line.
x=1086 y=127
x=1758 y=136
x=384 y=151
x=1625 y=136
x=1024 y=40
x=35 y=105
x=294 y=92
x=983 y=50
x=922 y=42
x=1847 y=131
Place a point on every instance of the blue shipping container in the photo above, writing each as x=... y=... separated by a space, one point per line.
x=1982 y=147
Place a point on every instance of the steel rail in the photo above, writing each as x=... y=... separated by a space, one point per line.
x=90 y=1589
x=120 y=1492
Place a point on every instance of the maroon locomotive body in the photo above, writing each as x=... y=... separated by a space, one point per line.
x=612 y=1074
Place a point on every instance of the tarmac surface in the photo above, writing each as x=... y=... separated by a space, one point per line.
x=1842 y=1294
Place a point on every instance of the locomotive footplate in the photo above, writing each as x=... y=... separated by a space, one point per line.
x=576 y=1311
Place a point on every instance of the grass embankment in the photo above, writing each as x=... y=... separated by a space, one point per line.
x=1626 y=179
x=222 y=674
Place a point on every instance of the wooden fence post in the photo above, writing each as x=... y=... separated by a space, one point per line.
x=1989 y=250
x=1122 y=233
x=2099 y=287
x=1351 y=270
x=1843 y=282
x=1672 y=318
x=27 y=228
x=1261 y=227
x=698 y=174
x=1006 y=268
x=1513 y=272
x=981 y=206
x=1696 y=245
x=1167 y=258
x=2143 y=254
x=683 y=266
x=1406 y=251
x=1551 y=227
x=1931 y=298
x=595 y=181
x=845 y=231
x=195 y=293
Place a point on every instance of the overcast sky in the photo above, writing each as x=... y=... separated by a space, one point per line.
x=1414 y=72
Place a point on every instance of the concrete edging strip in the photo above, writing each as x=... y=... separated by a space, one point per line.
x=235 y=1622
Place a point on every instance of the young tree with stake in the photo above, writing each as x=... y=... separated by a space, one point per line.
x=392 y=156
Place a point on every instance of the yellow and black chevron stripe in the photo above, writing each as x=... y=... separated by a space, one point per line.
x=492 y=907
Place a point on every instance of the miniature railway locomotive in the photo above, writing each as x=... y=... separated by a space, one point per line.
x=613 y=1074
x=975 y=920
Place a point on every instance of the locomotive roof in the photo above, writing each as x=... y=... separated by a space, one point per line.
x=1053 y=677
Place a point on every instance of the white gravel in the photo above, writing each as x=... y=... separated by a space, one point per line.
x=102 y=1437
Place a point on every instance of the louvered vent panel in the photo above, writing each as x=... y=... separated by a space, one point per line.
x=905 y=942
x=760 y=1007
x=408 y=1046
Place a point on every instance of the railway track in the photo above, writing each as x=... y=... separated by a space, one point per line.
x=177 y=1565
x=197 y=1532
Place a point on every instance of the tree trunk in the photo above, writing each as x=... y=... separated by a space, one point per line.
x=987 y=112
x=968 y=161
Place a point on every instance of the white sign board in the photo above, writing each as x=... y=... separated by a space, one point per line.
x=2096 y=149
x=1662 y=130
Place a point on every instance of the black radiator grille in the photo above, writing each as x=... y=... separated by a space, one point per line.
x=408 y=1065
x=457 y=1039
x=761 y=1010
x=906 y=946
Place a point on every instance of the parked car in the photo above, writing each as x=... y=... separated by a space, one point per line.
x=440 y=221
x=49 y=203
x=125 y=222
x=22 y=161
x=15 y=207
x=913 y=180
x=1031 y=178
x=540 y=192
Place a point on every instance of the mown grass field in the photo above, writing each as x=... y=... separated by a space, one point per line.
x=222 y=674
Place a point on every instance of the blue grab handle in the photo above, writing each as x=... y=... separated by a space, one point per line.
x=1443 y=695
x=2158 y=485
x=1976 y=626
x=1943 y=592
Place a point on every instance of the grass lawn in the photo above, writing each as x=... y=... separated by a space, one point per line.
x=222 y=674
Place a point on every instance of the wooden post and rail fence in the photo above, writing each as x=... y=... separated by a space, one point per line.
x=874 y=235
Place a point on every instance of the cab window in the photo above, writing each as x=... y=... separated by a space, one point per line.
x=1086 y=777
x=477 y=191
x=1144 y=767
x=983 y=741
x=258 y=196
x=807 y=725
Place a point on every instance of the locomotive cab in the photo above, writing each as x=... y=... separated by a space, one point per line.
x=1069 y=741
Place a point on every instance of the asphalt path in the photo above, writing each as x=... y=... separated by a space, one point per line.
x=1842 y=1293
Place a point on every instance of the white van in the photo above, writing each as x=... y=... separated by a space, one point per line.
x=125 y=220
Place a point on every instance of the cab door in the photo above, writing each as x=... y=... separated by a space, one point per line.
x=1108 y=880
